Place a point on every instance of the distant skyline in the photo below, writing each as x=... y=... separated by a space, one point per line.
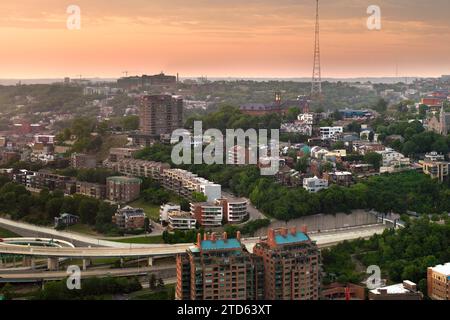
x=234 y=38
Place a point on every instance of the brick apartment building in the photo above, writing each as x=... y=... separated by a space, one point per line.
x=438 y=282
x=123 y=189
x=82 y=161
x=160 y=114
x=291 y=265
x=117 y=154
x=218 y=269
x=93 y=190
x=129 y=218
x=285 y=266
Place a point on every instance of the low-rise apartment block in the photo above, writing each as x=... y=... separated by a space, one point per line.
x=185 y=183
x=83 y=161
x=138 y=168
x=315 y=184
x=181 y=220
x=341 y=178
x=165 y=209
x=234 y=210
x=402 y=291
x=93 y=190
x=117 y=154
x=436 y=169
x=129 y=218
x=207 y=214
x=330 y=132
x=123 y=189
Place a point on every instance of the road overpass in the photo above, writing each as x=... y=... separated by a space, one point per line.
x=34 y=276
x=323 y=239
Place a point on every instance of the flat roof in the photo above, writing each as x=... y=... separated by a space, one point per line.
x=289 y=238
x=442 y=268
x=394 y=289
x=124 y=179
x=220 y=244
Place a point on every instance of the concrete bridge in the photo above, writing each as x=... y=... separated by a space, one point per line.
x=53 y=254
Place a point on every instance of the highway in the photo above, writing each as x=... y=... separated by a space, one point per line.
x=57 y=275
x=323 y=239
x=38 y=231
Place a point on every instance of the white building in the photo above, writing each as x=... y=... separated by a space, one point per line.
x=434 y=156
x=330 y=132
x=165 y=209
x=212 y=191
x=392 y=158
x=235 y=210
x=314 y=184
x=180 y=220
x=318 y=152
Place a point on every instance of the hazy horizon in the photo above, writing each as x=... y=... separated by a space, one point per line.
x=245 y=39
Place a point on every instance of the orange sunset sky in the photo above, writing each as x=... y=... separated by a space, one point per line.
x=246 y=38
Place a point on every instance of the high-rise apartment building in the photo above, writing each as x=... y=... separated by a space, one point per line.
x=160 y=114
x=218 y=269
x=291 y=265
x=285 y=266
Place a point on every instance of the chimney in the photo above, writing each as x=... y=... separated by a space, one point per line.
x=199 y=239
x=213 y=236
x=238 y=235
x=293 y=231
x=224 y=236
x=304 y=228
x=205 y=236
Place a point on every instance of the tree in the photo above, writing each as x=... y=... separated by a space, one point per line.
x=381 y=106
x=160 y=284
x=199 y=197
x=374 y=159
x=53 y=207
x=152 y=281
x=88 y=210
x=147 y=224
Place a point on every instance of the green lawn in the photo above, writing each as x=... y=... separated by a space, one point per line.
x=7 y=234
x=151 y=210
x=168 y=293
x=141 y=240
x=82 y=228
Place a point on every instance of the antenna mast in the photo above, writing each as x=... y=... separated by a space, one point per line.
x=316 y=85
